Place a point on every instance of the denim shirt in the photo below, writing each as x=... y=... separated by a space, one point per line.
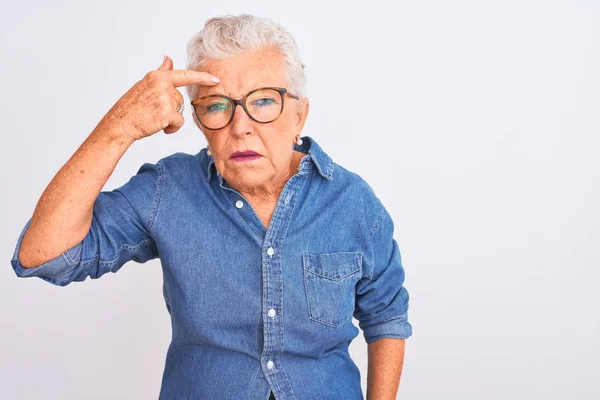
x=253 y=309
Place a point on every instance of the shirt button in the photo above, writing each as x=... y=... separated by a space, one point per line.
x=270 y=364
x=239 y=204
x=272 y=312
x=270 y=251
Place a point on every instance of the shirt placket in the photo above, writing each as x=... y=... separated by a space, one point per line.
x=272 y=281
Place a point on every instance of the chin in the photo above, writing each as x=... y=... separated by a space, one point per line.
x=248 y=179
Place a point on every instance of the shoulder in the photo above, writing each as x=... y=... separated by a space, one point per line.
x=361 y=192
x=182 y=165
x=183 y=160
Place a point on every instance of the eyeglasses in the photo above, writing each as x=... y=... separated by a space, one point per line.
x=262 y=105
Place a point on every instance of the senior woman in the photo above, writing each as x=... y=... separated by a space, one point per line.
x=268 y=247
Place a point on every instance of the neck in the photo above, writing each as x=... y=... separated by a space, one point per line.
x=271 y=194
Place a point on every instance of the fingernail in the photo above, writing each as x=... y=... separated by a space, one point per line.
x=164 y=59
x=215 y=79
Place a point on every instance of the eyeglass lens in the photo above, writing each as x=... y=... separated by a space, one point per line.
x=263 y=105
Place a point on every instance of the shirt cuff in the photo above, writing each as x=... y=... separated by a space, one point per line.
x=50 y=271
x=397 y=327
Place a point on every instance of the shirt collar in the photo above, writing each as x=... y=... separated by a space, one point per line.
x=317 y=158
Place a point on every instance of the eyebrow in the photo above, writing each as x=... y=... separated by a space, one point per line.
x=254 y=88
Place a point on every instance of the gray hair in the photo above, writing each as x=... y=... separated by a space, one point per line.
x=228 y=35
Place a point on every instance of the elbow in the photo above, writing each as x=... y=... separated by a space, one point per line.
x=32 y=256
x=27 y=256
x=27 y=262
x=26 y=259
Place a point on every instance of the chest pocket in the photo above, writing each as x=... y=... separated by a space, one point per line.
x=330 y=285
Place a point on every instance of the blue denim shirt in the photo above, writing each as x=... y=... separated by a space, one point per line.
x=253 y=309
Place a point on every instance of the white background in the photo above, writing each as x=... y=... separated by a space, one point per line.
x=476 y=123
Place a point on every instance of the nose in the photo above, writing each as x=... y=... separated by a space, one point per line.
x=241 y=123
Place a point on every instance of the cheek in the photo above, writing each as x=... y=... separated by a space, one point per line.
x=216 y=142
x=284 y=126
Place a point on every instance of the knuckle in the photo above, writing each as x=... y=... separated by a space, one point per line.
x=161 y=84
x=185 y=74
x=165 y=102
x=176 y=121
x=151 y=75
x=179 y=99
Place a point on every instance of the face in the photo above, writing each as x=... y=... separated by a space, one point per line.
x=273 y=141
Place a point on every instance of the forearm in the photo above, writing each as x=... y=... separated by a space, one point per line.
x=386 y=357
x=63 y=214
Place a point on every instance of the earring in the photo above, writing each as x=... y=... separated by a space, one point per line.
x=208 y=153
x=298 y=140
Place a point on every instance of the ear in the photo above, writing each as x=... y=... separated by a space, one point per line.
x=302 y=108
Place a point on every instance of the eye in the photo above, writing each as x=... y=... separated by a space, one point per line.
x=263 y=101
x=216 y=107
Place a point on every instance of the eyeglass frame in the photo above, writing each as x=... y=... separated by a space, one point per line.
x=242 y=102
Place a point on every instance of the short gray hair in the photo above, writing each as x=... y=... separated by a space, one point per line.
x=228 y=35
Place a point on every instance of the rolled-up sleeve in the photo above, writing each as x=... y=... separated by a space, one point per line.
x=120 y=231
x=381 y=299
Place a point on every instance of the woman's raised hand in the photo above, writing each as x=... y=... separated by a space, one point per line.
x=151 y=104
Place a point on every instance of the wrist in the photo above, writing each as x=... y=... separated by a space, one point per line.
x=114 y=134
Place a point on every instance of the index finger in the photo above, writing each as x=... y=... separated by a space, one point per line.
x=182 y=77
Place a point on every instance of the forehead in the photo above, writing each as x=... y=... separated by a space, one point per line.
x=242 y=73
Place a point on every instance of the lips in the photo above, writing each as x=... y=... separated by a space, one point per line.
x=245 y=153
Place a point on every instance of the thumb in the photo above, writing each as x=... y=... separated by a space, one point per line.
x=167 y=64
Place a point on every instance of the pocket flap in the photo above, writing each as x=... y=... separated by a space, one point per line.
x=334 y=266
